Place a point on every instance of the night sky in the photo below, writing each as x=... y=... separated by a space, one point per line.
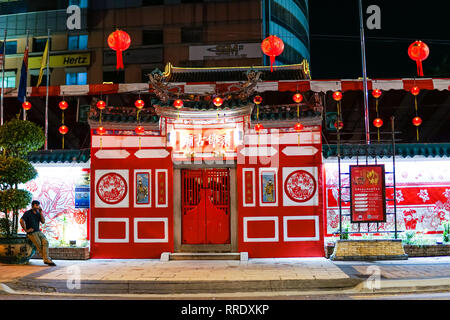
x=335 y=41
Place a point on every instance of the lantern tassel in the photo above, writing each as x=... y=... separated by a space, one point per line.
x=272 y=62
x=419 y=68
x=119 y=60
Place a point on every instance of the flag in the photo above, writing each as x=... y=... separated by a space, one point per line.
x=43 y=64
x=22 y=93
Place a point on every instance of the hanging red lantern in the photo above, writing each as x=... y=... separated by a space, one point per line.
x=119 y=41
x=139 y=104
x=341 y=125
x=178 y=104
x=26 y=105
x=258 y=127
x=337 y=96
x=298 y=98
x=415 y=90
x=101 y=104
x=376 y=93
x=257 y=100
x=298 y=127
x=139 y=130
x=378 y=123
x=417 y=121
x=101 y=131
x=419 y=51
x=218 y=101
x=63 y=105
x=272 y=46
x=63 y=130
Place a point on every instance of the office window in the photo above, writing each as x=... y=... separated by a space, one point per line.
x=77 y=42
x=80 y=3
x=152 y=37
x=11 y=47
x=39 y=44
x=10 y=79
x=191 y=34
x=76 y=78
x=35 y=77
x=114 y=76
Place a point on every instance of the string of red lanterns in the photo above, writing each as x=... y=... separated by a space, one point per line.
x=377 y=122
x=338 y=124
x=272 y=46
x=416 y=121
x=258 y=100
x=63 y=129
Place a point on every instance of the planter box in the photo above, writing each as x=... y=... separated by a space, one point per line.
x=427 y=250
x=412 y=250
x=66 y=254
x=368 y=250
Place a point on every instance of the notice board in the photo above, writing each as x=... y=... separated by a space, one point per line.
x=367 y=193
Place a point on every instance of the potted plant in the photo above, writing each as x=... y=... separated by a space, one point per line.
x=17 y=139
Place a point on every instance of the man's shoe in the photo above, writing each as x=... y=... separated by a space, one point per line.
x=50 y=264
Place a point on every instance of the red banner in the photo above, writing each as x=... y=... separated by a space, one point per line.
x=367 y=193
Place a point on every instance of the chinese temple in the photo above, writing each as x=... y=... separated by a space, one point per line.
x=193 y=172
x=232 y=160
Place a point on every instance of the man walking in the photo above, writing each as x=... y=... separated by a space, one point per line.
x=30 y=223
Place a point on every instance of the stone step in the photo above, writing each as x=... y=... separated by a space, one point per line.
x=204 y=256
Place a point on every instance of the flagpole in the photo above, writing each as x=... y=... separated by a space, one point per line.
x=364 y=69
x=46 y=98
x=3 y=77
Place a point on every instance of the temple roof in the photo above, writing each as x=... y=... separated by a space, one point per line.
x=286 y=72
x=60 y=156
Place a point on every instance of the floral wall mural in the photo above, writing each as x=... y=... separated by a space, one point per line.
x=55 y=189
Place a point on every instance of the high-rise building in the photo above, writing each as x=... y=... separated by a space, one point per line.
x=186 y=33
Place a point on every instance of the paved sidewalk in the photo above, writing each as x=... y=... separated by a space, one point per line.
x=255 y=275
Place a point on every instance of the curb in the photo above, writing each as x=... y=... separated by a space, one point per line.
x=406 y=286
x=180 y=287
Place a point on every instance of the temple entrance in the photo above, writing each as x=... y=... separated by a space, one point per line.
x=205 y=206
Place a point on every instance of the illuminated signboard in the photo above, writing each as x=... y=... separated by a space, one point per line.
x=367 y=193
x=205 y=140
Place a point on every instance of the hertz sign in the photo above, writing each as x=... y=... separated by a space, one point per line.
x=62 y=61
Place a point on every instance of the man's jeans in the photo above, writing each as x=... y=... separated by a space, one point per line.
x=41 y=243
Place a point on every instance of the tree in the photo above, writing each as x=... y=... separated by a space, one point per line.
x=17 y=139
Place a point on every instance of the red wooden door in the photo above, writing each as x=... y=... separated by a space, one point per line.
x=205 y=205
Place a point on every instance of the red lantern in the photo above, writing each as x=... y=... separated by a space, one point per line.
x=272 y=46
x=258 y=127
x=378 y=122
x=139 y=104
x=298 y=98
x=178 y=104
x=415 y=90
x=298 y=127
x=101 y=130
x=257 y=100
x=218 y=101
x=376 y=93
x=417 y=121
x=139 y=130
x=26 y=105
x=419 y=51
x=341 y=125
x=337 y=96
x=119 y=41
x=63 y=129
x=63 y=105
x=101 y=104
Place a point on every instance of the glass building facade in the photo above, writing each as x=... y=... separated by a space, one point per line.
x=289 y=20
